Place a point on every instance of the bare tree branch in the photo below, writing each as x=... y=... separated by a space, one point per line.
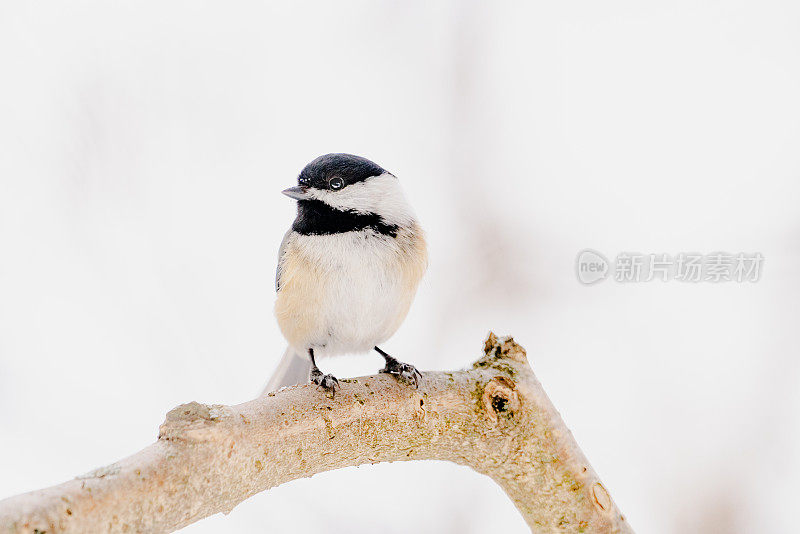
x=494 y=418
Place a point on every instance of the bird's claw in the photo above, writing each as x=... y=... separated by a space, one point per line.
x=403 y=371
x=328 y=383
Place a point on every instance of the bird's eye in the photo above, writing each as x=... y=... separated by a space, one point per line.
x=336 y=183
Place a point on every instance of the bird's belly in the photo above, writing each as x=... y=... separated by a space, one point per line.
x=347 y=305
x=364 y=310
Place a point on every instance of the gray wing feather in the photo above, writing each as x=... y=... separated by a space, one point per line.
x=280 y=260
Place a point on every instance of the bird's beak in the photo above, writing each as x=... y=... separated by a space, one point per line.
x=297 y=192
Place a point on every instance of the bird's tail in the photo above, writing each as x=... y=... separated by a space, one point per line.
x=292 y=369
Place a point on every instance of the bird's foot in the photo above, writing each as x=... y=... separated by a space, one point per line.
x=328 y=383
x=402 y=371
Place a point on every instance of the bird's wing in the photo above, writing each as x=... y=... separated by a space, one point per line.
x=280 y=260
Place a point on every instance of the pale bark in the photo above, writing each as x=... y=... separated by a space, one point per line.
x=494 y=418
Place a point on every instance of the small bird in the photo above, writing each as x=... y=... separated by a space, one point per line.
x=348 y=268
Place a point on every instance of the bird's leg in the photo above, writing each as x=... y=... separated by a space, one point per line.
x=403 y=371
x=315 y=376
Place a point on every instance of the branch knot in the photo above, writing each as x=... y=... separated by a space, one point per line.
x=500 y=399
x=191 y=421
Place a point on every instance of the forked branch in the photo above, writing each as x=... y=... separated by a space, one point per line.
x=494 y=418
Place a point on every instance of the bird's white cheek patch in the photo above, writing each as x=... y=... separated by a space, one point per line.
x=381 y=195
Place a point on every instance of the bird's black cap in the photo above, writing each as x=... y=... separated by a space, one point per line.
x=351 y=169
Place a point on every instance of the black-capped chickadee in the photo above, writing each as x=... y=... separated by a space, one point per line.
x=348 y=268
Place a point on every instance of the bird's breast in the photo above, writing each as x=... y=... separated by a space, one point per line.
x=347 y=292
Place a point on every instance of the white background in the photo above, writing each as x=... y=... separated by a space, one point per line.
x=144 y=146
